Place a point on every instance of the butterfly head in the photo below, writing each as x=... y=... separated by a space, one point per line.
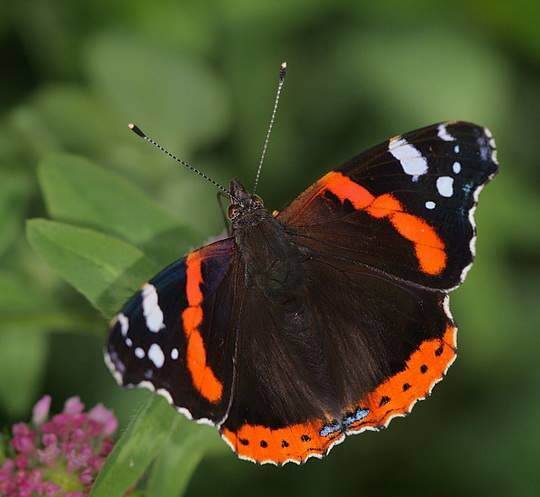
x=245 y=207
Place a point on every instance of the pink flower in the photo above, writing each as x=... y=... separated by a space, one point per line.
x=41 y=410
x=101 y=415
x=73 y=406
x=59 y=457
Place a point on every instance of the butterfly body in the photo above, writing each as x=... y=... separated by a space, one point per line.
x=327 y=319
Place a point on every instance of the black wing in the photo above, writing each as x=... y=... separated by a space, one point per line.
x=405 y=207
x=353 y=351
x=176 y=335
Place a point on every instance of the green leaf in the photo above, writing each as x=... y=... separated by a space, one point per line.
x=162 y=90
x=177 y=462
x=78 y=191
x=13 y=198
x=481 y=95
x=76 y=119
x=104 y=269
x=26 y=308
x=136 y=449
x=22 y=361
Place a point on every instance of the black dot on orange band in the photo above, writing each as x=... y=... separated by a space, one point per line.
x=305 y=438
x=243 y=441
x=348 y=206
x=264 y=444
x=423 y=368
x=331 y=196
x=439 y=351
x=284 y=444
x=384 y=400
x=406 y=387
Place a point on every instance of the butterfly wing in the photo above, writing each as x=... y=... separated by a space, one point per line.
x=367 y=334
x=387 y=235
x=354 y=350
x=405 y=207
x=176 y=335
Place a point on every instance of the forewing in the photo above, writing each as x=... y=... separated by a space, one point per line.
x=177 y=334
x=405 y=207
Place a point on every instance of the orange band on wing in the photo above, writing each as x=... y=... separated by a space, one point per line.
x=397 y=395
x=384 y=206
x=345 y=189
x=292 y=443
x=203 y=377
x=429 y=248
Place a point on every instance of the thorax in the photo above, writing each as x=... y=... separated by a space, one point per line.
x=272 y=262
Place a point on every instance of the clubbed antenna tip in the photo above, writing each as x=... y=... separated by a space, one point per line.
x=282 y=71
x=138 y=131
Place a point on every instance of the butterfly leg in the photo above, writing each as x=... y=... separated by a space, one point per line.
x=219 y=197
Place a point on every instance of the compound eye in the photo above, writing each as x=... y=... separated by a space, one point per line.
x=233 y=211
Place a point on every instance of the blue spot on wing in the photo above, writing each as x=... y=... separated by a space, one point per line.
x=347 y=421
x=358 y=415
x=329 y=429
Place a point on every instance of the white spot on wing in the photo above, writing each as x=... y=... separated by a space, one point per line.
x=410 y=158
x=456 y=149
x=129 y=343
x=152 y=312
x=443 y=134
x=155 y=354
x=116 y=374
x=430 y=204
x=445 y=186
x=174 y=354
x=124 y=324
x=139 y=352
x=456 y=167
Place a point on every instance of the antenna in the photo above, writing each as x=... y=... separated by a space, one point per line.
x=282 y=73
x=139 y=132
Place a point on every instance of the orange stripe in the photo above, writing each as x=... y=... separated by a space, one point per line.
x=193 y=279
x=295 y=442
x=203 y=377
x=432 y=260
x=429 y=248
x=345 y=189
x=384 y=206
x=423 y=369
x=192 y=317
x=415 y=229
x=394 y=397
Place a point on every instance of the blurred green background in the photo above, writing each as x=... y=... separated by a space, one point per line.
x=201 y=76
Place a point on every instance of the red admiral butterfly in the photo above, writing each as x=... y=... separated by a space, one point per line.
x=326 y=319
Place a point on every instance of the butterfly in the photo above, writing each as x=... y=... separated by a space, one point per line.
x=323 y=320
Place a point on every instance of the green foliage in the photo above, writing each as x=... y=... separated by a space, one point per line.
x=107 y=269
x=19 y=386
x=13 y=197
x=143 y=438
x=79 y=191
x=180 y=458
x=104 y=269
x=25 y=309
x=145 y=91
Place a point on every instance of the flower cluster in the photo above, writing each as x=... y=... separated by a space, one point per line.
x=59 y=457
